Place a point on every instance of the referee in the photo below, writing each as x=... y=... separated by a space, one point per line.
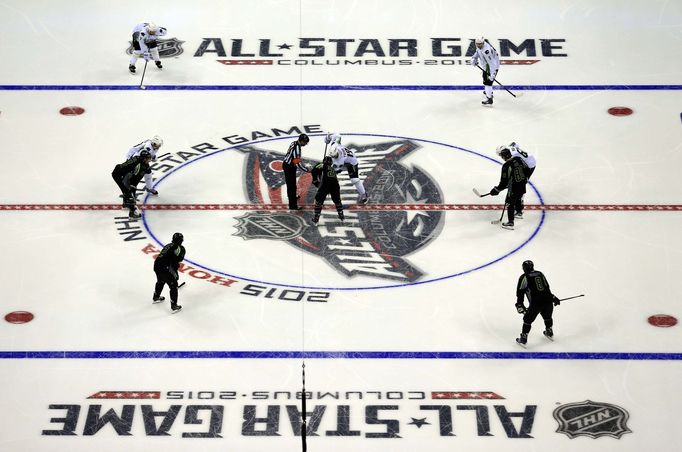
x=289 y=164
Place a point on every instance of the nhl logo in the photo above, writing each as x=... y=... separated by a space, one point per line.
x=168 y=48
x=593 y=419
x=277 y=226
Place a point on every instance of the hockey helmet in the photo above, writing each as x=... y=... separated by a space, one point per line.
x=157 y=142
x=480 y=41
x=144 y=154
x=527 y=266
x=152 y=28
x=334 y=152
x=505 y=152
x=178 y=238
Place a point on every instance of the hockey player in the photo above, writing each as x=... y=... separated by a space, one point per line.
x=344 y=158
x=166 y=267
x=513 y=178
x=127 y=175
x=151 y=146
x=490 y=64
x=144 y=43
x=324 y=178
x=529 y=160
x=290 y=162
x=534 y=285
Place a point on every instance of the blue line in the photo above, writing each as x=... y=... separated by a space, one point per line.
x=339 y=355
x=334 y=87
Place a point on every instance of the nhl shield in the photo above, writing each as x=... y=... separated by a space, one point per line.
x=593 y=419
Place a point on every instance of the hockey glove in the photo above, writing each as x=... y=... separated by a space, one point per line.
x=555 y=300
x=520 y=308
x=494 y=191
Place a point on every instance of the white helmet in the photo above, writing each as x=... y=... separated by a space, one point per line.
x=499 y=149
x=152 y=28
x=333 y=153
x=156 y=141
x=480 y=41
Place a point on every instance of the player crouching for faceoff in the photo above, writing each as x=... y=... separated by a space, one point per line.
x=324 y=178
x=345 y=158
x=151 y=146
x=534 y=285
x=514 y=177
x=127 y=175
x=144 y=44
x=166 y=267
x=530 y=162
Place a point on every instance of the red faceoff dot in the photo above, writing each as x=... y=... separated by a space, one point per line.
x=620 y=111
x=276 y=165
x=19 y=317
x=662 y=320
x=72 y=111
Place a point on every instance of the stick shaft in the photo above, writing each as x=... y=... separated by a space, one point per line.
x=505 y=88
x=570 y=298
x=144 y=71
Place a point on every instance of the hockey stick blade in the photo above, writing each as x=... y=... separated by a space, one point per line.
x=477 y=193
x=181 y=284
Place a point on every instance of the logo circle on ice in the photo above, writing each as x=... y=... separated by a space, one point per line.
x=390 y=242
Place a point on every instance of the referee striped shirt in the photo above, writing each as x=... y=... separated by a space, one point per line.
x=293 y=156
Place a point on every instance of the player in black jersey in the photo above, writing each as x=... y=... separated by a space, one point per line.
x=127 y=175
x=166 y=268
x=534 y=285
x=324 y=178
x=514 y=178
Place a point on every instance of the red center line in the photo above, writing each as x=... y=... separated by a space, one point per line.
x=368 y=207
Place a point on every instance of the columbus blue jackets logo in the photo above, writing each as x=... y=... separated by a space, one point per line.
x=370 y=242
x=593 y=419
x=168 y=48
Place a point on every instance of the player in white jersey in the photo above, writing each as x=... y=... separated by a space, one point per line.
x=490 y=63
x=144 y=43
x=151 y=146
x=530 y=162
x=342 y=157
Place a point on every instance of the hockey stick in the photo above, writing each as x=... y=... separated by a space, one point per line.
x=501 y=215
x=144 y=71
x=181 y=284
x=478 y=194
x=504 y=87
x=570 y=298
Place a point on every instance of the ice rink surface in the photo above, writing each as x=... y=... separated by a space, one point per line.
x=404 y=316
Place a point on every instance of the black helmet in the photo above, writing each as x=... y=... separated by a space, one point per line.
x=527 y=266
x=145 y=154
x=505 y=153
x=303 y=138
x=178 y=238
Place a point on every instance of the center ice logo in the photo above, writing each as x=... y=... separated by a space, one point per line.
x=593 y=419
x=370 y=243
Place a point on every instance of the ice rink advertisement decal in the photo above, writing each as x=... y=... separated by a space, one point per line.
x=349 y=51
x=193 y=414
x=370 y=243
x=168 y=48
x=593 y=419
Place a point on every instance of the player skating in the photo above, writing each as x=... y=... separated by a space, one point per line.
x=533 y=284
x=489 y=61
x=166 y=267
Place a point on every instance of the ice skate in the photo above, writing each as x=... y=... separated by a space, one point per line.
x=131 y=68
x=487 y=101
x=521 y=340
x=158 y=64
x=157 y=299
x=134 y=213
x=549 y=334
x=363 y=199
x=518 y=215
x=175 y=308
x=508 y=225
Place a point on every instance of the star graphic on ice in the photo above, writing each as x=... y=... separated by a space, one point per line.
x=284 y=46
x=411 y=214
x=418 y=422
x=343 y=242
